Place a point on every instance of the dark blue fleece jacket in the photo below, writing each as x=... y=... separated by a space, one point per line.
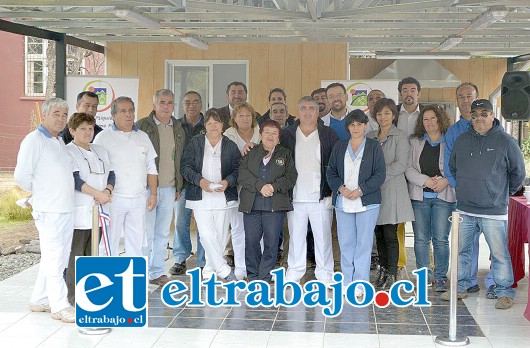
x=487 y=169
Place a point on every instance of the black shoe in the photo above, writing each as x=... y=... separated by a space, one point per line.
x=374 y=263
x=390 y=280
x=474 y=288
x=178 y=268
x=229 y=260
x=381 y=277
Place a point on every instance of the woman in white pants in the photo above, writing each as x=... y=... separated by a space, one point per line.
x=210 y=164
x=243 y=131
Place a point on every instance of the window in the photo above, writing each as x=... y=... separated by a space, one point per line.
x=36 y=67
x=207 y=77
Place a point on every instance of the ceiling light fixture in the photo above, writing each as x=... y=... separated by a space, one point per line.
x=138 y=18
x=194 y=42
x=492 y=15
x=388 y=55
x=449 y=43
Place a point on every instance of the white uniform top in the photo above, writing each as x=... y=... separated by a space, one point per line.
x=232 y=134
x=131 y=156
x=351 y=181
x=94 y=167
x=44 y=168
x=406 y=120
x=307 y=159
x=211 y=171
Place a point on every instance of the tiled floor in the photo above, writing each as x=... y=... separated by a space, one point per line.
x=260 y=327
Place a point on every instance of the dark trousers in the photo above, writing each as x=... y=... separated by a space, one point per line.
x=260 y=224
x=387 y=246
x=310 y=243
x=80 y=247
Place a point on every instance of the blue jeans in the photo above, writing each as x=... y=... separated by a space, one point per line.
x=356 y=235
x=432 y=225
x=157 y=222
x=495 y=232
x=182 y=241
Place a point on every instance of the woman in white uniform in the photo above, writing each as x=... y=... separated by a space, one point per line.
x=94 y=182
x=210 y=164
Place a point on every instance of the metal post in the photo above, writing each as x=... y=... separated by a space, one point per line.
x=95 y=252
x=452 y=339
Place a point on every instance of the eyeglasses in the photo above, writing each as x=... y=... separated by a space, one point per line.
x=274 y=134
x=88 y=162
x=484 y=114
x=194 y=103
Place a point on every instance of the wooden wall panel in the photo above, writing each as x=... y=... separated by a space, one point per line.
x=146 y=75
x=161 y=50
x=113 y=59
x=259 y=76
x=326 y=63
x=341 y=62
x=276 y=66
x=293 y=75
x=129 y=56
x=297 y=67
x=310 y=68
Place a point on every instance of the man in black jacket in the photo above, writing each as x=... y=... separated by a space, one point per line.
x=236 y=93
x=311 y=144
x=86 y=102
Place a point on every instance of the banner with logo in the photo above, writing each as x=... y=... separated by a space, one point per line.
x=107 y=88
x=358 y=91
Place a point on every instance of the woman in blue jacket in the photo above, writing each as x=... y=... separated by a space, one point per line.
x=355 y=174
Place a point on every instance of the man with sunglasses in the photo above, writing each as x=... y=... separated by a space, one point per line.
x=488 y=166
x=466 y=94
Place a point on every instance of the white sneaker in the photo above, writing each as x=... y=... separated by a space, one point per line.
x=44 y=307
x=66 y=315
x=359 y=292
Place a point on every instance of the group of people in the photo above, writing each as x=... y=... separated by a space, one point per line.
x=241 y=174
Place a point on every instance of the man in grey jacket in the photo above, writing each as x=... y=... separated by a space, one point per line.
x=168 y=137
x=488 y=167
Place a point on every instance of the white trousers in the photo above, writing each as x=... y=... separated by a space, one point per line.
x=127 y=217
x=213 y=231
x=55 y=236
x=238 y=243
x=320 y=216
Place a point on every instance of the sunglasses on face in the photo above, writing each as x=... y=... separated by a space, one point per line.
x=484 y=114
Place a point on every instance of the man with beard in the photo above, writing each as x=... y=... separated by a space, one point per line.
x=320 y=96
x=236 y=93
x=409 y=91
x=337 y=98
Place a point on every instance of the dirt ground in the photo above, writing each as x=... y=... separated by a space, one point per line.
x=11 y=233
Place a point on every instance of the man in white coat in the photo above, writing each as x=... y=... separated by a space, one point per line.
x=44 y=168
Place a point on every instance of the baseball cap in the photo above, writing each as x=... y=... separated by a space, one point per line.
x=481 y=103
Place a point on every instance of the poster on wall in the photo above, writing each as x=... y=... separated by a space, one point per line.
x=107 y=88
x=358 y=91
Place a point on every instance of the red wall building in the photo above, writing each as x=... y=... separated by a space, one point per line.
x=15 y=113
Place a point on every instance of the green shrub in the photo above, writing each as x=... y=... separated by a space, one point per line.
x=9 y=210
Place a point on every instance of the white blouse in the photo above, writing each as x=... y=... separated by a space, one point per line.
x=211 y=171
